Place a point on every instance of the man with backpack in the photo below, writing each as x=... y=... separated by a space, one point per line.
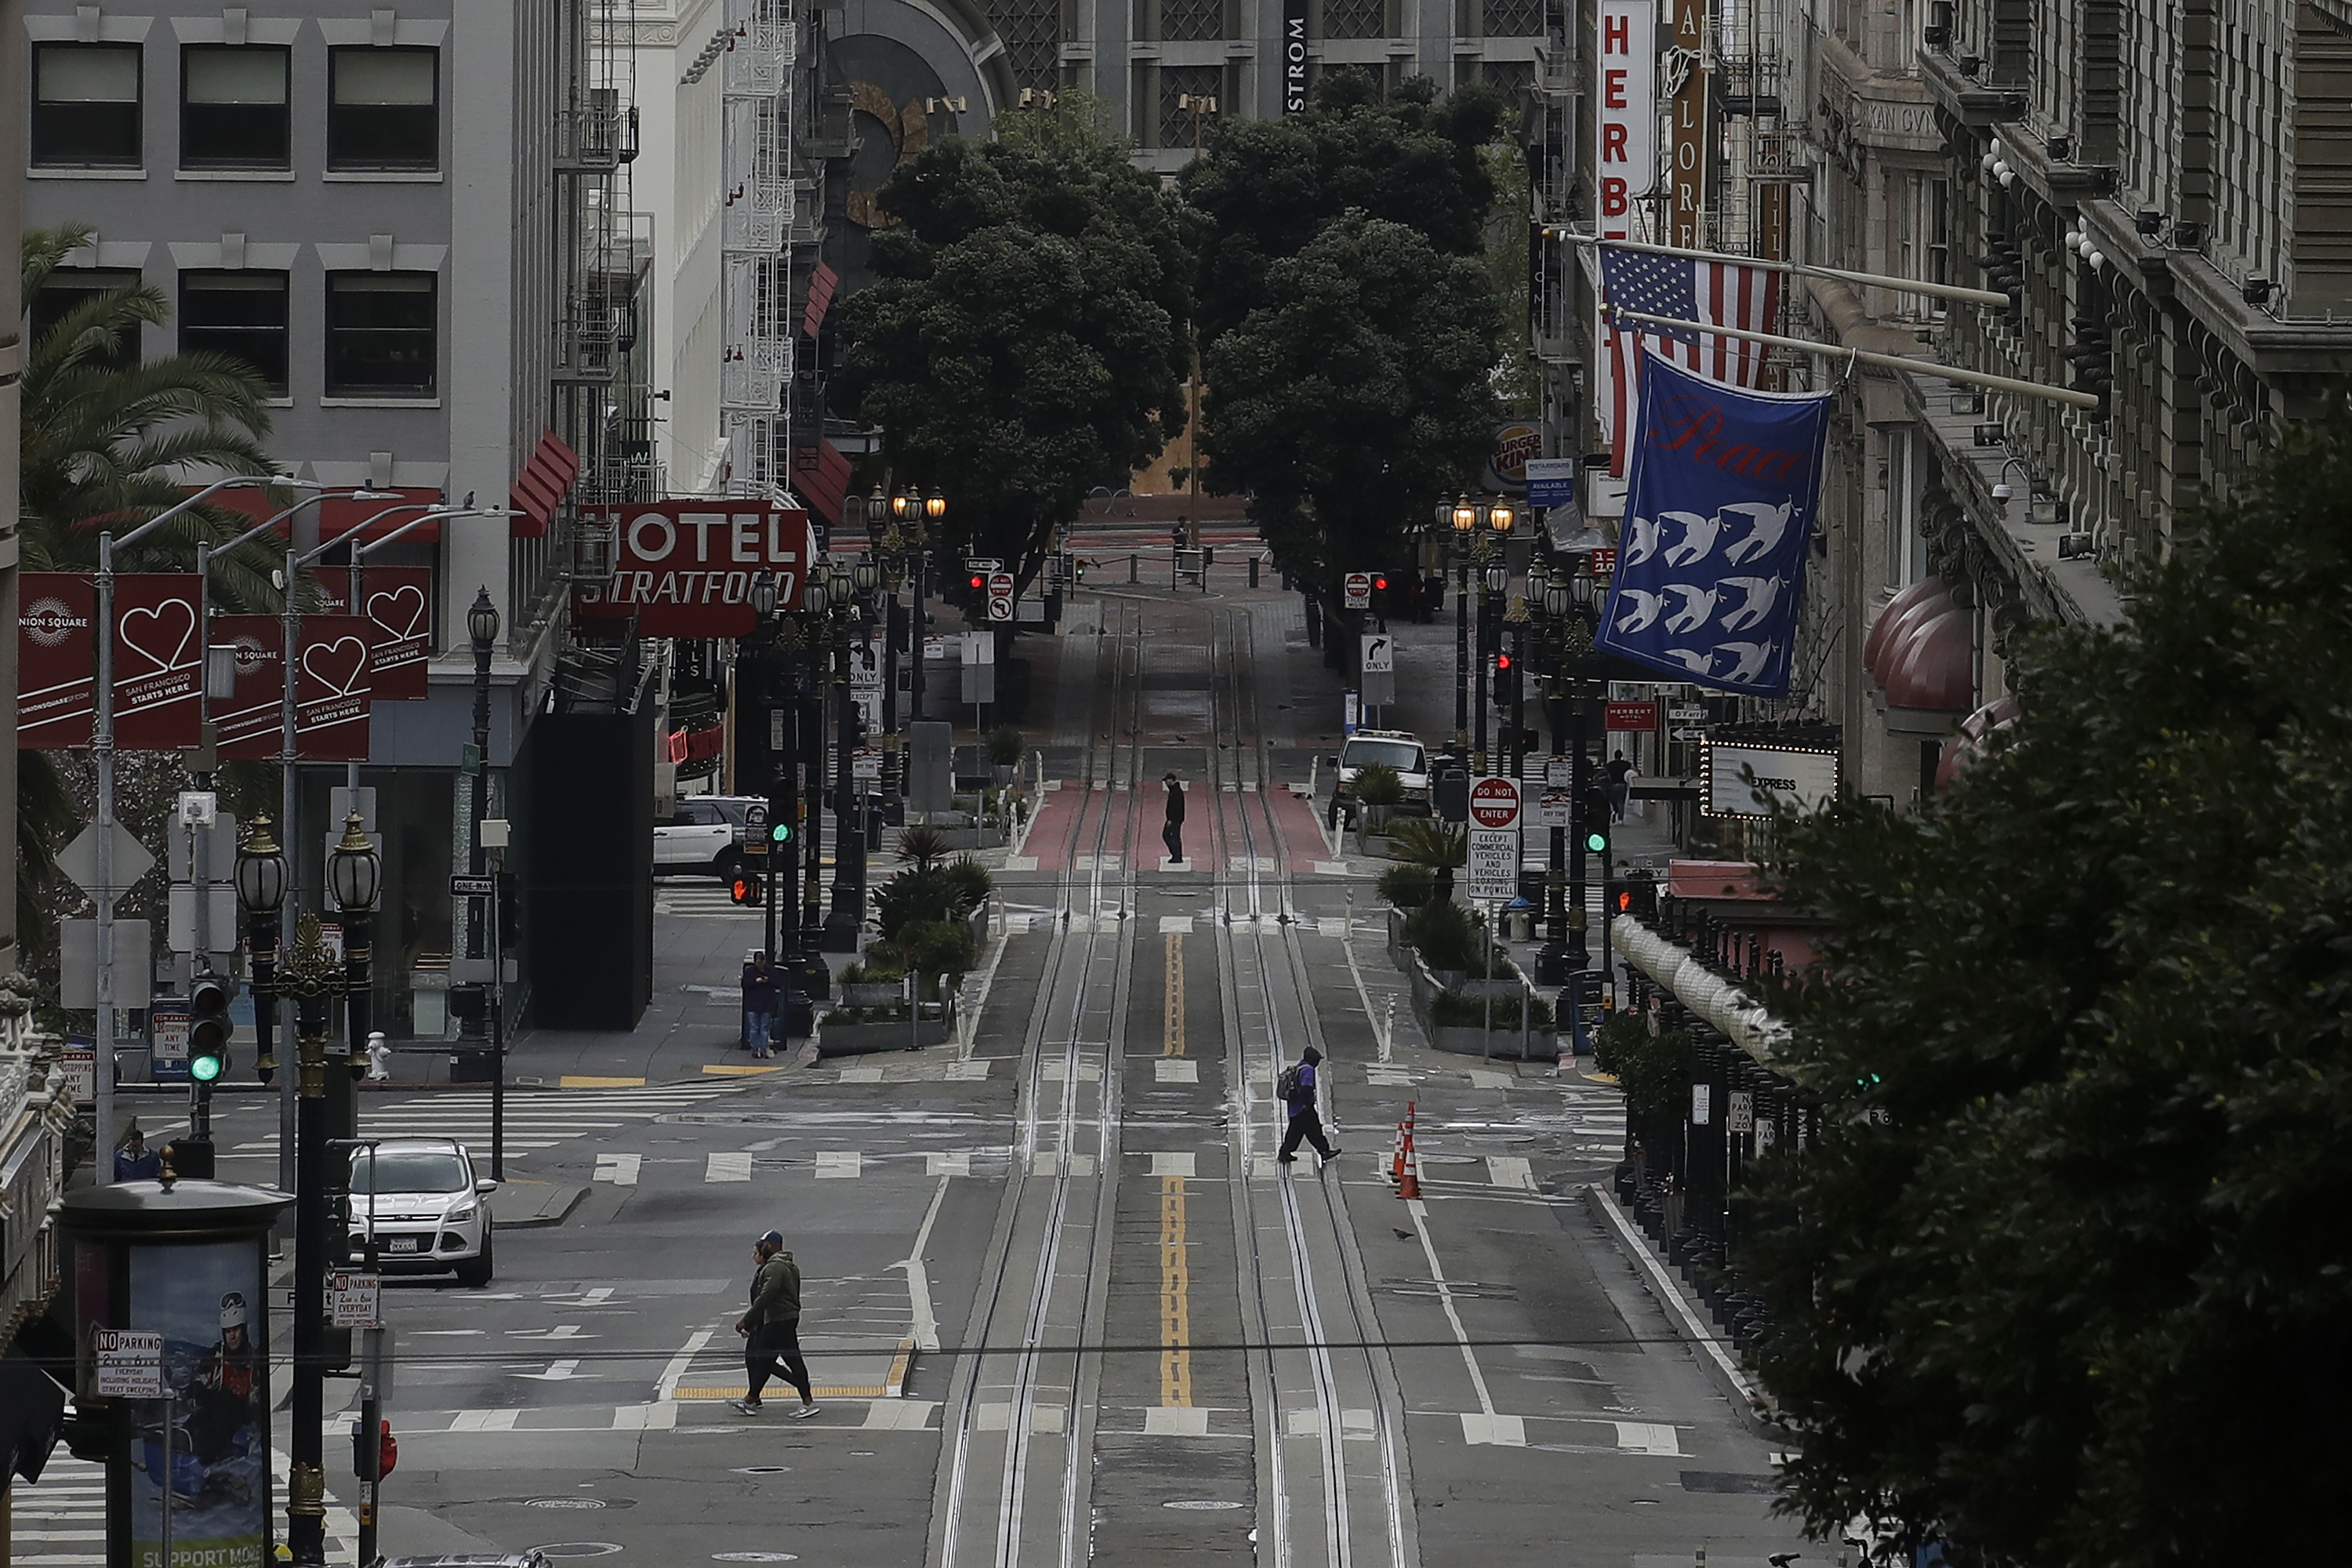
x=1296 y=1087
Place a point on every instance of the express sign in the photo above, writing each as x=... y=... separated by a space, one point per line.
x=685 y=568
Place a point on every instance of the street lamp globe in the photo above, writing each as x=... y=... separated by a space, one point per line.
x=353 y=870
x=813 y=597
x=866 y=575
x=1497 y=579
x=837 y=584
x=482 y=619
x=1464 y=515
x=763 y=596
x=1556 y=598
x=260 y=871
x=900 y=501
x=1583 y=587
x=878 y=508
x=1499 y=516
x=935 y=505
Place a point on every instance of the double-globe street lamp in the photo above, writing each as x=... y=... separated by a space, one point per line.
x=306 y=976
x=1570 y=605
x=1473 y=547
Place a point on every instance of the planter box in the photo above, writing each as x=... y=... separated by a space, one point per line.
x=972 y=837
x=862 y=1039
x=1502 y=1045
x=870 y=993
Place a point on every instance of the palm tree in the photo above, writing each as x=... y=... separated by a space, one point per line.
x=1432 y=843
x=113 y=443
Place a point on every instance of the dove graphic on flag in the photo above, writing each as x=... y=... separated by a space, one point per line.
x=1717 y=517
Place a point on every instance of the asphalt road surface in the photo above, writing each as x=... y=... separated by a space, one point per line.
x=1062 y=1305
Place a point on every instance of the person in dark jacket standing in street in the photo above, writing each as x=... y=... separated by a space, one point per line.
x=772 y=1328
x=1297 y=1086
x=1173 y=834
x=759 y=1005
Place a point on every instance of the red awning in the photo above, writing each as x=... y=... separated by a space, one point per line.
x=1926 y=598
x=1932 y=665
x=821 y=474
x=338 y=516
x=823 y=281
x=541 y=486
x=1975 y=738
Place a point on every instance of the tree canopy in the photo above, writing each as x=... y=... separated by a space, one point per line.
x=1357 y=391
x=1025 y=341
x=2081 y=1298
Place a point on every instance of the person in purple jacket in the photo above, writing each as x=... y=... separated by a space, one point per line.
x=1296 y=1087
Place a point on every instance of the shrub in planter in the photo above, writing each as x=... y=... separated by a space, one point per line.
x=1431 y=842
x=933 y=947
x=875 y=970
x=1623 y=1035
x=926 y=847
x=970 y=882
x=1447 y=936
x=1407 y=887
x=1005 y=746
x=1654 y=1072
x=1452 y=1010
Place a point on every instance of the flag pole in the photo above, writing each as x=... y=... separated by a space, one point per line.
x=1864 y=356
x=1764 y=264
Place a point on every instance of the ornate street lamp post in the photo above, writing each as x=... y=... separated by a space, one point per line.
x=260 y=877
x=482 y=628
x=353 y=874
x=306 y=977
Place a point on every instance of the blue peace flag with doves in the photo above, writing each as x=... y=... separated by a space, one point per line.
x=1711 y=565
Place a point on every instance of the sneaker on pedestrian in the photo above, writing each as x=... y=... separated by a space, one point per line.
x=804 y=1412
x=1286 y=1158
x=1335 y=1153
x=744 y=1406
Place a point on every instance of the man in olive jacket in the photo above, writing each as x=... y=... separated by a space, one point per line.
x=772 y=1328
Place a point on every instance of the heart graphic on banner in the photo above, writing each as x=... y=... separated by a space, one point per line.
x=400 y=612
x=339 y=666
x=171 y=624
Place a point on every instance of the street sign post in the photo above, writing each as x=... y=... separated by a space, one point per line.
x=1495 y=802
x=462 y=886
x=1380 y=654
x=1357 y=586
x=1493 y=867
x=1000 y=596
x=354 y=1301
x=130 y=1363
x=1554 y=808
x=865 y=764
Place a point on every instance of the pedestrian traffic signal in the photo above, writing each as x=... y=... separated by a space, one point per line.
x=208 y=1029
x=746 y=889
x=387 y=1451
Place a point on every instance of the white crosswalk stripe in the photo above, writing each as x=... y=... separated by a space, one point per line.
x=701 y=900
x=59 y=1521
x=535 y=1118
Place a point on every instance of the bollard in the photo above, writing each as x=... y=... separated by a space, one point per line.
x=1131 y=567
x=1254 y=564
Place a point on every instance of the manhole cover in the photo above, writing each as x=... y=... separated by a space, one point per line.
x=578 y=1548
x=564 y=1502
x=1201 y=1504
x=757 y=1470
x=753 y=1557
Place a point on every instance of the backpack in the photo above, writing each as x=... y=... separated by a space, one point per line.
x=1287 y=1086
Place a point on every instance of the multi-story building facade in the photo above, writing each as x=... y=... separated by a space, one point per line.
x=2156 y=186
x=409 y=222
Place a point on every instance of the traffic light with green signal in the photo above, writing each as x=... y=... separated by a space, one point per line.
x=780 y=833
x=208 y=1030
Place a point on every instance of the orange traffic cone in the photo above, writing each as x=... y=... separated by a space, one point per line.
x=1396 y=1157
x=1408 y=1182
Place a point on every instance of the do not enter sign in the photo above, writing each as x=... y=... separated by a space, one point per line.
x=1000 y=596
x=1359 y=586
x=1495 y=802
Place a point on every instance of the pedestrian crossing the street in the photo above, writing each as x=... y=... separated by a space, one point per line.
x=701 y=900
x=535 y=1118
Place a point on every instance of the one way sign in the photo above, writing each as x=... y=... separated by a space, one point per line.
x=1379 y=668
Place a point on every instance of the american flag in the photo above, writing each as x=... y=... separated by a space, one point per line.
x=1710 y=293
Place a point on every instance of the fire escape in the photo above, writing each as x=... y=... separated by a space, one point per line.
x=1751 y=208
x=755 y=270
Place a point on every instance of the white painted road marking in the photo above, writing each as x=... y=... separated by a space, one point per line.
x=956 y=1164
x=837 y=1165
x=1177 y=1069
x=1507 y=1171
x=728 y=1168
x=621 y=1170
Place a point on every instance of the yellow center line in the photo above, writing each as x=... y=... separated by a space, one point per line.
x=1175 y=1259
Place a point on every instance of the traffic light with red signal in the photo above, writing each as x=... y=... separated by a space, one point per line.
x=387 y=1451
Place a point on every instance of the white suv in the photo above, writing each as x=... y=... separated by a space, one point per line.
x=705 y=834
x=425 y=1207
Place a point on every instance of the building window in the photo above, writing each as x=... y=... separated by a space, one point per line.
x=86 y=105
x=233 y=108
x=67 y=288
x=1356 y=18
x=239 y=314
x=1179 y=126
x=381 y=335
x=384 y=109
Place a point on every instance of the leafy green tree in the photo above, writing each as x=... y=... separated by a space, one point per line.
x=1025 y=341
x=1267 y=189
x=2080 y=1295
x=103 y=440
x=1359 y=390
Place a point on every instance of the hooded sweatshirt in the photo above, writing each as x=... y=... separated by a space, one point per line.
x=1305 y=1099
x=775 y=1292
